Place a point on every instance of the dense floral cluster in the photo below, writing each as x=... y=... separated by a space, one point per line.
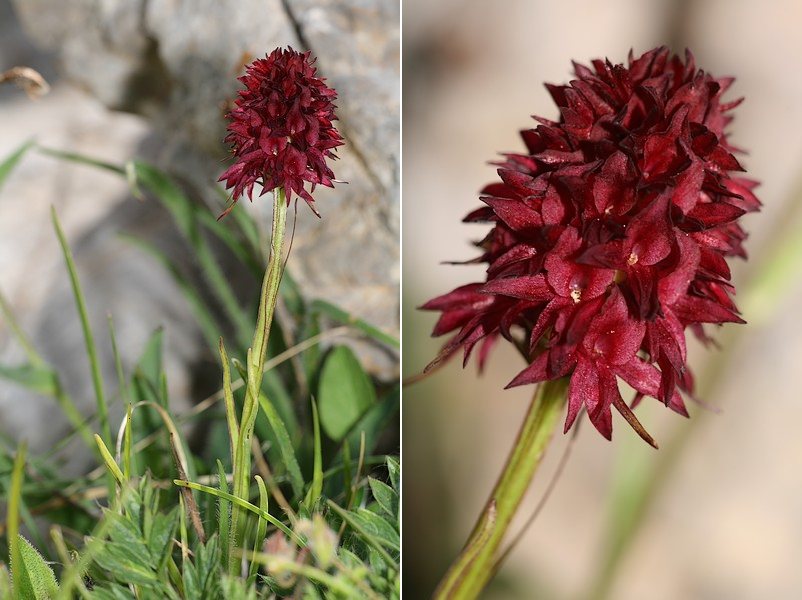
x=610 y=236
x=281 y=128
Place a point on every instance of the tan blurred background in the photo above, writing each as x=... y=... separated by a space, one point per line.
x=728 y=524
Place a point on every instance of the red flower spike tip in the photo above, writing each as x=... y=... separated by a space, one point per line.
x=610 y=236
x=280 y=129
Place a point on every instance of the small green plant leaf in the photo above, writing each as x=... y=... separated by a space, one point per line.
x=385 y=496
x=378 y=528
x=365 y=529
x=200 y=310
x=284 y=445
x=32 y=575
x=112 y=466
x=345 y=392
x=161 y=534
x=224 y=516
x=13 y=510
x=394 y=468
x=313 y=495
x=11 y=161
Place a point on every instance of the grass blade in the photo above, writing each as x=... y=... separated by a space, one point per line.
x=91 y=350
x=207 y=323
x=224 y=518
x=11 y=161
x=111 y=464
x=83 y=160
x=313 y=495
x=12 y=516
x=30 y=352
x=242 y=504
x=338 y=314
x=228 y=398
x=261 y=529
x=183 y=213
x=284 y=445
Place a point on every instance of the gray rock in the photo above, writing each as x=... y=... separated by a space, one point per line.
x=176 y=63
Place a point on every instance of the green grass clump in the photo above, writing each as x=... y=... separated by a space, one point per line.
x=310 y=509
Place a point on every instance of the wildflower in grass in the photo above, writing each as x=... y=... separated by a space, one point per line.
x=610 y=236
x=281 y=129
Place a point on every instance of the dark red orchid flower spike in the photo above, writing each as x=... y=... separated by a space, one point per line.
x=610 y=237
x=281 y=129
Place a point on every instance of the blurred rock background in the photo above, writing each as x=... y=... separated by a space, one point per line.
x=152 y=79
x=728 y=523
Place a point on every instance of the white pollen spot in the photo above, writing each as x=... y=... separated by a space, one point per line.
x=576 y=295
x=633 y=258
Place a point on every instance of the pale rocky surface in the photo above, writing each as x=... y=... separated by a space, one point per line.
x=152 y=79
x=175 y=62
x=728 y=525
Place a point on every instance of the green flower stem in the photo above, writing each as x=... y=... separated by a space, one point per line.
x=256 y=358
x=474 y=567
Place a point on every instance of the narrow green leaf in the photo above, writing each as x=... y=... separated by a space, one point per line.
x=150 y=363
x=345 y=391
x=261 y=529
x=183 y=212
x=338 y=314
x=12 y=514
x=83 y=160
x=243 y=504
x=41 y=380
x=11 y=161
x=206 y=321
x=284 y=445
x=225 y=235
x=123 y=446
x=394 y=469
x=91 y=350
x=228 y=397
x=111 y=465
x=316 y=489
x=33 y=356
x=224 y=518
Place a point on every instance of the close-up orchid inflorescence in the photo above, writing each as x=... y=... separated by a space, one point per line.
x=610 y=237
x=281 y=128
